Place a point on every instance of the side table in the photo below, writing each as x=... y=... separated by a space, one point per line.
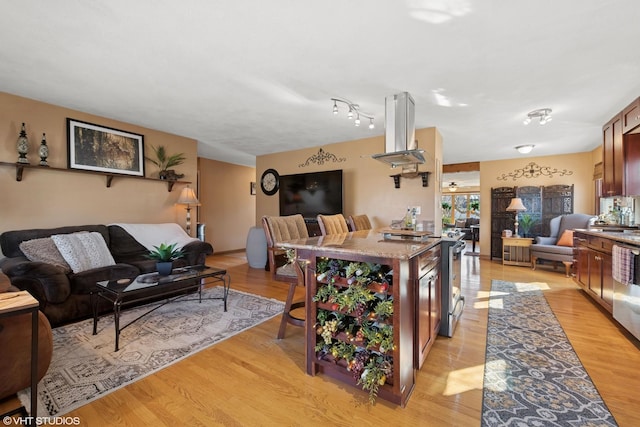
x=516 y=251
x=17 y=303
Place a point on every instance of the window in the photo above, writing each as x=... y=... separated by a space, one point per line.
x=460 y=207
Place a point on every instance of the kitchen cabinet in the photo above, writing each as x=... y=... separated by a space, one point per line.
x=428 y=303
x=593 y=256
x=632 y=164
x=613 y=157
x=631 y=116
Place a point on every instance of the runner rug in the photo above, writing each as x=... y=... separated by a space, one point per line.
x=533 y=377
x=85 y=367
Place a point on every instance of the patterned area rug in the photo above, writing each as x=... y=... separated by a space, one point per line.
x=85 y=367
x=532 y=375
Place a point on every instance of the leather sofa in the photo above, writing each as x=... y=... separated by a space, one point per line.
x=64 y=296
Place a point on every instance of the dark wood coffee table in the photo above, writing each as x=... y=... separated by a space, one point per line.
x=180 y=283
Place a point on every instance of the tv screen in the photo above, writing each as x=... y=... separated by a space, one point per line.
x=311 y=194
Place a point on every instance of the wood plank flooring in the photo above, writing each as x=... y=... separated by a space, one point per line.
x=254 y=379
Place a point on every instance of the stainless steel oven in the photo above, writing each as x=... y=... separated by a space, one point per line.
x=626 y=300
x=452 y=299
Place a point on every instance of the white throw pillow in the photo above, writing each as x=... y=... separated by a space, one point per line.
x=83 y=251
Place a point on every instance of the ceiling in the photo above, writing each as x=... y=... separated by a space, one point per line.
x=252 y=77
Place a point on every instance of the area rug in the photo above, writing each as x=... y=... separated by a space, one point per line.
x=533 y=377
x=85 y=367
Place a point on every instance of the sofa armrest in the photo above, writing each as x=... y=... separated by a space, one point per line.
x=540 y=240
x=195 y=253
x=45 y=282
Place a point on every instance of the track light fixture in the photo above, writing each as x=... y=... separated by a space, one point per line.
x=453 y=186
x=354 y=110
x=544 y=114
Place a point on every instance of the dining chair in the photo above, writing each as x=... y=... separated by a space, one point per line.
x=332 y=224
x=359 y=222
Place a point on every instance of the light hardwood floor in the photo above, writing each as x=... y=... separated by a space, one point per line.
x=254 y=379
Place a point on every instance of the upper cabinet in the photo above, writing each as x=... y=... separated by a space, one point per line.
x=613 y=157
x=631 y=116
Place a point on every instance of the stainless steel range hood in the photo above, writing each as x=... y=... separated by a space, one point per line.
x=400 y=134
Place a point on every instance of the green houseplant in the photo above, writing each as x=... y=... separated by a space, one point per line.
x=164 y=256
x=525 y=223
x=165 y=161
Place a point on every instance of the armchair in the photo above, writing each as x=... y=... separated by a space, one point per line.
x=556 y=248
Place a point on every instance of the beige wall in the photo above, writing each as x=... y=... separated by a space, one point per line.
x=49 y=198
x=580 y=164
x=228 y=209
x=368 y=187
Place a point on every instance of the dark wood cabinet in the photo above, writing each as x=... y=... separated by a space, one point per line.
x=631 y=116
x=632 y=164
x=613 y=157
x=500 y=218
x=428 y=303
x=594 y=266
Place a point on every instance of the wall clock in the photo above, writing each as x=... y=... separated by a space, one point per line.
x=270 y=182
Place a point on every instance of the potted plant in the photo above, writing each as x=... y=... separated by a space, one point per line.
x=165 y=161
x=474 y=205
x=164 y=255
x=525 y=224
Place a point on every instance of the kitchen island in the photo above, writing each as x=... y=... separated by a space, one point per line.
x=372 y=309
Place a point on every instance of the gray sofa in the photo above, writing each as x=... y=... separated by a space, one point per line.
x=64 y=296
x=545 y=248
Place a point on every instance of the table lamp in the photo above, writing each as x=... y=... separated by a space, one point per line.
x=189 y=199
x=517 y=207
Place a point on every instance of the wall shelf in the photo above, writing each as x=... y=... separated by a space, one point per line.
x=109 y=176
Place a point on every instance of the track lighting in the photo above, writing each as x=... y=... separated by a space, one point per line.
x=354 y=110
x=544 y=114
x=453 y=186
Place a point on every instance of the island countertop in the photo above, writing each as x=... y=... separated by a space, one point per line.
x=366 y=243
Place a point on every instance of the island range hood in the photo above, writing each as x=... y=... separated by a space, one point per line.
x=401 y=148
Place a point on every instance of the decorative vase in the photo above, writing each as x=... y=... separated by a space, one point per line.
x=164 y=268
x=23 y=146
x=43 y=151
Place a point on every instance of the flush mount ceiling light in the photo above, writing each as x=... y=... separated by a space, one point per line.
x=524 y=149
x=544 y=114
x=453 y=186
x=354 y=110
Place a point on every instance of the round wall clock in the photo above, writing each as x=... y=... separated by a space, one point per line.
x=270 y=182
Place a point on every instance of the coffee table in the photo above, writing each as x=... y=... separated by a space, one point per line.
x=180 y=283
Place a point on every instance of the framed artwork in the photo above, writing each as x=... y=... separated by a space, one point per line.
x=252 y=188
x=102 y=149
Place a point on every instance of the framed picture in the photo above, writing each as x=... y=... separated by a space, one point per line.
x=252 y=189
x=102 y=149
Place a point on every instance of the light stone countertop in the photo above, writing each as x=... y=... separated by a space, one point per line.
x=629 y=238
x=366 y=242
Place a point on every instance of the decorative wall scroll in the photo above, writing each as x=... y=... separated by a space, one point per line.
x=321 y=157
x=533 y=170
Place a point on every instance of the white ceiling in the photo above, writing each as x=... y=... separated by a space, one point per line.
x=251 y=77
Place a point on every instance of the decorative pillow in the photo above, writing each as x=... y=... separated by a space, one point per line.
x=566 y=239
x=44 y=250
x=461 y=223
x=83 y=251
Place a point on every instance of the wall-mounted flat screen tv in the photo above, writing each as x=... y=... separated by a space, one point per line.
x=311 y=194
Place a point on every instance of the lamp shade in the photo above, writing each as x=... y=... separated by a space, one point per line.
x=188 y=197
x=516 y=205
